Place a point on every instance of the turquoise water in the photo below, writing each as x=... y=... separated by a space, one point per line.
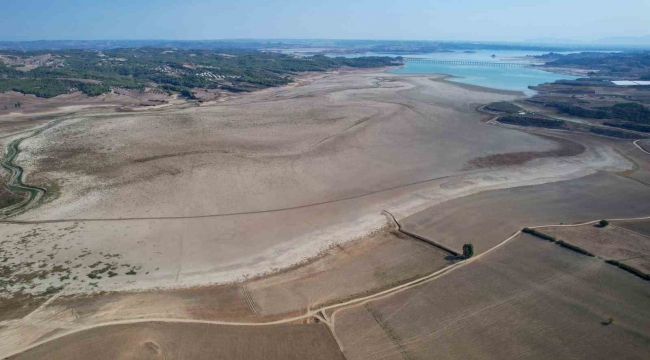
x=516 y=79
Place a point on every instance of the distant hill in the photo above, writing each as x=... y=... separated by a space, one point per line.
x=626 y=40
x=554 y=41
x=614 y=41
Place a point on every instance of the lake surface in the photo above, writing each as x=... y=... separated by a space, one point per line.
x=515 y=79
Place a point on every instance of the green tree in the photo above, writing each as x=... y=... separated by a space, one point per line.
x=188 y=94
x=468 y=251
x=603 y=223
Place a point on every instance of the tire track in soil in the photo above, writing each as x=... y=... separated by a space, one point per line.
x=53 y=221
x=251 y=303
x=387 y=330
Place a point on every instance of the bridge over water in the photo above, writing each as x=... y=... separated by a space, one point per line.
x=461 y=62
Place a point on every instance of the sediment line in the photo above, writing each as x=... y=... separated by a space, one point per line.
x=224 y=214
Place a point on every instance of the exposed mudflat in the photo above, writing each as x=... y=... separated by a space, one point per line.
x=259 y=182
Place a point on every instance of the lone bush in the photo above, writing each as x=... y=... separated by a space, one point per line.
x=468 y=251
x=603 y=223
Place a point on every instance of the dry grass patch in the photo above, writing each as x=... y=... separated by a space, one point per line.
x=611 y=242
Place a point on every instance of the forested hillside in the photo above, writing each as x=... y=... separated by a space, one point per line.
x=51 y=73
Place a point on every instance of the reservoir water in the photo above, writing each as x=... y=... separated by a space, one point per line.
x=503 y=78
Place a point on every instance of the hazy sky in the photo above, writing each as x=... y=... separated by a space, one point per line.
x=503 y=20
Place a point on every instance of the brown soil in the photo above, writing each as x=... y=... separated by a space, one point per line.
x=639 y=226
x=528 y=299
x=565 y=148
x=14 y=126
x=384 y=259
x=18 y=306
x=485 y=219
x=354 y=269
x=221 y=302
x=192 y=341
x=7 y=197
x=611 y=242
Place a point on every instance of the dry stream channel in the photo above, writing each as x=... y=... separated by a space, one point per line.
x=15 y=180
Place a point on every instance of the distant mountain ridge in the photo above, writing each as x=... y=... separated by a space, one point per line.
x=634 y=41
x=385 y=46
x=626 y=40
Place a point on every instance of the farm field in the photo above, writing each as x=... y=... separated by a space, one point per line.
x=528 y=299
x=377 y=262
x=485 y=219
x=611 y=242
x=640 y=226
x=641 y=159
x=25 y=325
x=192 y=341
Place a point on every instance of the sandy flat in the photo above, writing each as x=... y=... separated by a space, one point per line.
x=257 y=183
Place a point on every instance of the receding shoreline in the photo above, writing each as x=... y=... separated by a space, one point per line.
x=355 y=216
x=446 y=78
